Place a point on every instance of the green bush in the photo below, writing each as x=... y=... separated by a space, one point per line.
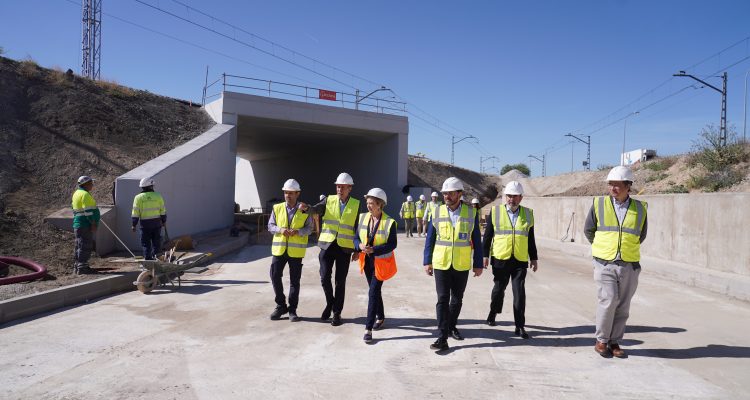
x=604 y=167
x=711 y=155
x=656 y=177
x=677 y=189
x=661 y=164
x=523 y=168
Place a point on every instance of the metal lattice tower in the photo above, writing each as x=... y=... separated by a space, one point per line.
x=91 y=38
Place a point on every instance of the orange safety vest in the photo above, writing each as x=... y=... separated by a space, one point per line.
x=385 y=265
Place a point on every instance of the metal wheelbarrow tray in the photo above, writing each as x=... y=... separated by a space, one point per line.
x=157 y=272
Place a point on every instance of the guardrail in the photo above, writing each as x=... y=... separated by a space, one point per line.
x=308 y=94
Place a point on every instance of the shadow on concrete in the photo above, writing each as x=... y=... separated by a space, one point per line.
x=590 y=329
x=200 y=287
x=710 y=351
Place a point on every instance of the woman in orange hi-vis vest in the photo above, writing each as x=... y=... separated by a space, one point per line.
x=376 y=240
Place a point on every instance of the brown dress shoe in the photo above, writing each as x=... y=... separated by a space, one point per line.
x=602 y=349
x=617 y=351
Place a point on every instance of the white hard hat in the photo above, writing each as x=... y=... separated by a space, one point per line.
x=620 y=173
x=513 y=187
x=409 y=198
x=377 y=193
x=344 y=179
x=291 y=185
x=322 y=196
x=434 y=194
x=475 y=201
x=146 y=182
x=85 y=179
x=421 y=197
x=452 y=184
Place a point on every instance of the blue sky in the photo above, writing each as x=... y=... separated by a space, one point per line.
x=518 y=75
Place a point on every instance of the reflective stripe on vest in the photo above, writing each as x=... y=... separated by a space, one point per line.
x=421 y=206
x=148 y=205
x=453 y=245
x=407 y=210
x=339 y=227
x=509 y=240
x=611 y=237
x=294 y=245
x=385 y=264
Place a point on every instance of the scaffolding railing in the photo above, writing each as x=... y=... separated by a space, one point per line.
x=307 y=94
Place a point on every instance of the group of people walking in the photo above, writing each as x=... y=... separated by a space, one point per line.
x=616 y=225
x=454 y=246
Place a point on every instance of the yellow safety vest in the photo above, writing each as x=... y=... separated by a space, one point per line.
x=407 y=210
x=338 y=226
x=421 y=206
x=85 y=211
x=453 y=245
x=294 y=245
x=431 y=207
x=385 y=264
x=148 y=205
x=611 y=237
x=509 y=240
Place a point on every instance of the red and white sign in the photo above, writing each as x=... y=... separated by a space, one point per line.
x=327 y=95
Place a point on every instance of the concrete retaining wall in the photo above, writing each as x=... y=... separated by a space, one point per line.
x=708 y=233
x=196 y=180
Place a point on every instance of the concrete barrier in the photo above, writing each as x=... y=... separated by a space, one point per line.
x=699 y=239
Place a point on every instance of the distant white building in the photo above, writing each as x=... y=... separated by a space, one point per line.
x=633 y=156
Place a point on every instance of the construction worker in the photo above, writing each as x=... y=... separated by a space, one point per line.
x=290 y=228
x=452 y=234
x=336 y=242
x=407 y=212
x=149 y=209
x=616 y=226
x=376 y=241
x=509 y=245
x=85 y=222
x=421 y=206
x=431 y=206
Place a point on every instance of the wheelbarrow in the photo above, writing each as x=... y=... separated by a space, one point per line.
x=157 y=272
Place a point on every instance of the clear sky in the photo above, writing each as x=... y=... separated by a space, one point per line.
x=518 y=75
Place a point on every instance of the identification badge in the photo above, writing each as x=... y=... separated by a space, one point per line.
x=463 y=236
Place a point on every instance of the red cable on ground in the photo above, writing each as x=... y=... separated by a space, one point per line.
x=39 y=270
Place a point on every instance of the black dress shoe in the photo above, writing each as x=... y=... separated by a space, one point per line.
x=440 y=345
x=293 y=316
x=522 y=333
x=455 y=334
x=367 y=338
x=491 y=319
x=336 y=321
x=278 y=312
x=326 y=313
x=378 y=324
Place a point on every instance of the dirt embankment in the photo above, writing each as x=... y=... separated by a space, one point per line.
x=429 y=173
x=54 y=127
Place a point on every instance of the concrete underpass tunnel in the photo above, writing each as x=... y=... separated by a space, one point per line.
x=282 y=139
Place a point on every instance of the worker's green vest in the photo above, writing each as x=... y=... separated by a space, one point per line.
x=337 y=226
x=294 y=245
x=148 y=205
x=421 y=205
x=85 y=211
x=453 y=245
x=509 y=240
x=381 y=235
x=431 y=207
x=407 y=210
x=611 y=237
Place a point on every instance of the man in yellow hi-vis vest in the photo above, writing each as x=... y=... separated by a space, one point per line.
x=510 y=245
x=421 y=206
x=85 y=221
x=149 y=209
x=615 y=226
x=336 y=242
x=407 y=214
x=452 y=237
x=290 y=227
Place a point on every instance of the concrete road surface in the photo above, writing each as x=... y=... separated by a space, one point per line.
x=213 y=340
